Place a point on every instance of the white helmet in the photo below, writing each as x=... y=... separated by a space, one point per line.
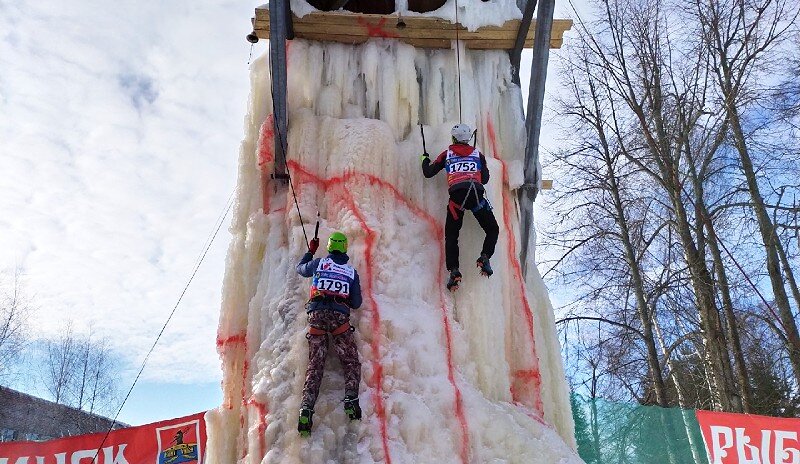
x=461 y=133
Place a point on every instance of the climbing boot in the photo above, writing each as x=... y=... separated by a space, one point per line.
x=305 y=422
x=351 y=407
x=454 y=280
x=484 y=266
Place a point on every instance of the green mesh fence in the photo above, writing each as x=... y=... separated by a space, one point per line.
x=609 y=432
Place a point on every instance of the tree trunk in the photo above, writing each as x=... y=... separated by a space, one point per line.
x=716 y=354
x=653 y=363
x=740 y=367
x=787 y=270
x=687 y=421
x=769 y=237
x=736 y=38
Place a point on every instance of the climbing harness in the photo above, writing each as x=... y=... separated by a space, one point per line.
x=454 y=207
x=316 y=331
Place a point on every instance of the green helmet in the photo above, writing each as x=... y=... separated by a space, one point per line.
x=337 y=242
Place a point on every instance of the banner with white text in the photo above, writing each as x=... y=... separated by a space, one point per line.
x=173 y=441
x=615 y=432
x=748 y=439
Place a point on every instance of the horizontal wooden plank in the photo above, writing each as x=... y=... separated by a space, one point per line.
x=420 y=31
x=350 y=18
x=473 y=44
x=389 y=23
x=413 y=33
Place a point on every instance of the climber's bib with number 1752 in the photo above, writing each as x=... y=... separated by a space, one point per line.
x=462 y=168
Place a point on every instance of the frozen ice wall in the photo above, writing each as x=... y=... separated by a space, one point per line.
x=470 y=377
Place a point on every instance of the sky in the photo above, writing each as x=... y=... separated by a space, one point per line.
x=120 y=125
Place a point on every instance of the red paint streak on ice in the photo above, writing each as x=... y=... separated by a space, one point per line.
x=534 y=380
x=266 y=142
x=223 y=345
x=377 y=375
x=232 y=340
x=240 y=342
x=261 y=410
x=266 y=156
x=378 y=29
x=303 y=175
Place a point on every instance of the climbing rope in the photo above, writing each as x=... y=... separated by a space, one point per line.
x=284 y=148
x=707 y=219
x=207 y=245
x=458 y=62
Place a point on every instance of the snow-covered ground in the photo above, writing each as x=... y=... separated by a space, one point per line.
x=474 y=377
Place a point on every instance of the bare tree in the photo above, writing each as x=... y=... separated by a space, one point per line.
x=59 y=365
x=80 y=372
x=14 y=312
x=656 y=89
x=94 y=387
x=738 y=36
x=609 y=208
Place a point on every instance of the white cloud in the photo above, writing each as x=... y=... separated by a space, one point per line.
x=119 y=130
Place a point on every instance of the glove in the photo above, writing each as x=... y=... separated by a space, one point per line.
x=313 y=245
x=424 y=157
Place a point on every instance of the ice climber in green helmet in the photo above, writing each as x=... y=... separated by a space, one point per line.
x=335 y=290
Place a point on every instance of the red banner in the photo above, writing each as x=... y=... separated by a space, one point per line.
x=746 y=439
x=174 y=441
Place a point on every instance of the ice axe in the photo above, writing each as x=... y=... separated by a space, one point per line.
x=424 y=149
x=419 y=113
x=316 y=232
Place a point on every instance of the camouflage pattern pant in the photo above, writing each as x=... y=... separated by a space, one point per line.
x=345 y=347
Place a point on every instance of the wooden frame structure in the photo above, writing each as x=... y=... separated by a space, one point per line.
x=277 y=24
x=419 y=31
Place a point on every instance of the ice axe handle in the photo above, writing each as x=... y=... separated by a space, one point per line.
x=422 y=131
x=316 y=230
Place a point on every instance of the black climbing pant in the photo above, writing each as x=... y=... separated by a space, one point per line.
x=470 y=198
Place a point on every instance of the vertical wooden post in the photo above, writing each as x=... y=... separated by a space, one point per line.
x=533 y=123
x=277 y=55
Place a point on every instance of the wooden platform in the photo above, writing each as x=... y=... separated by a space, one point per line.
x=423 y=32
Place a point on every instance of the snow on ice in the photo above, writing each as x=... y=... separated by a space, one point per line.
x=474 y=377
x=472 y=14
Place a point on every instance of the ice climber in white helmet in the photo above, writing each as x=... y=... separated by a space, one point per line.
x=467 y=173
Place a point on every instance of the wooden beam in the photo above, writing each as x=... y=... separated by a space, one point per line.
x=420 y=31
x=522 y=34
